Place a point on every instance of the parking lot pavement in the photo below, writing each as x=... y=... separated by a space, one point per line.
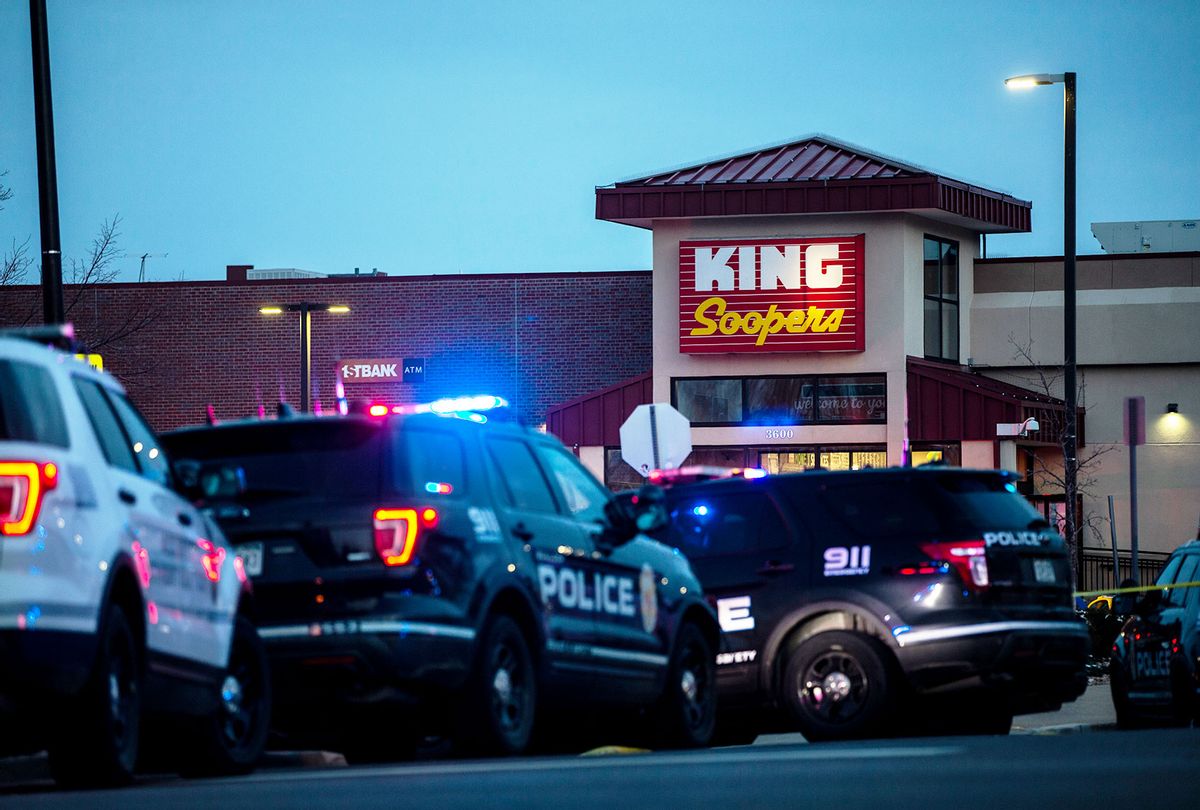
x=1093 y=709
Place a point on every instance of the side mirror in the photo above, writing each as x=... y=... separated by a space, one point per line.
x=637 y=511
x=650 y=506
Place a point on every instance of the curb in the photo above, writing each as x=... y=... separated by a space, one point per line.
x=302 y=759
x=1066 y=728
x=614 y=750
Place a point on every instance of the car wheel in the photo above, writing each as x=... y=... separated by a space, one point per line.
x=501 y=694
x=97 y=745
x=838 y=686
x=686 y=714
x=232 y=738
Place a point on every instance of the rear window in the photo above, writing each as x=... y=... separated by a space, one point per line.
x=428 y=461
x=29 y=406
x=325 y=459
x=923 y=504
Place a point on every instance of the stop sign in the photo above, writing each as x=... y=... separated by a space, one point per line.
x=655 y=437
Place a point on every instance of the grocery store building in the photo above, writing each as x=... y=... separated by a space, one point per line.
x=816 y=304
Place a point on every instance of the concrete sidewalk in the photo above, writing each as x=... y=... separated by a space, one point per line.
x=1091 y=710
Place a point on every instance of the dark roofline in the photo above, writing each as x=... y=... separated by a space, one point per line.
x=978 y=208
x=774 y=189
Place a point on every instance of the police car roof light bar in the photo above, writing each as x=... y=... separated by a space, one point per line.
x=468 y=408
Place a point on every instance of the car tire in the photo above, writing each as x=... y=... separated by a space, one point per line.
x=231 y=739
x=838 y=686
x=96 y=745
x=686 y=714
x=500 y=700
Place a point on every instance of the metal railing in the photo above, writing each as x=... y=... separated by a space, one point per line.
x=1096 y=568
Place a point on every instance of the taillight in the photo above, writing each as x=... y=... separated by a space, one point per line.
x=397 y=531
x=967 y=557
x=212 y=557
x=23 y=484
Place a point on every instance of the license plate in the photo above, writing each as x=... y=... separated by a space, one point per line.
x=252 y=558
x=1043 y=572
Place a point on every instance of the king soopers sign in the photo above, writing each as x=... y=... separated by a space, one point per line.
x=779 y=295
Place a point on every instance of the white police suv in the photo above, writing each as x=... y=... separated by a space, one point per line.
x=121 y=608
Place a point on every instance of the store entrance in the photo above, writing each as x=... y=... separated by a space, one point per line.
x=792 y=459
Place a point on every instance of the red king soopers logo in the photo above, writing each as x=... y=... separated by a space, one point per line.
x=778 y=295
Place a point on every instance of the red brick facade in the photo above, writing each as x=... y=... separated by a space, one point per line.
x=535 y=339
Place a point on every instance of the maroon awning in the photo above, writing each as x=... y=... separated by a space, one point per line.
x=595 y=420
x=952 y=403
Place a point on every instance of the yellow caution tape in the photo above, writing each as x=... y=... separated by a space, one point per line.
x=1138 y=589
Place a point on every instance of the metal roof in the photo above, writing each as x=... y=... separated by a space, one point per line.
x=951 y=403
x=813 y=175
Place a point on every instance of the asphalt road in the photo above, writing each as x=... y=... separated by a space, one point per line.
x=1158 y=768
x=1040 y=765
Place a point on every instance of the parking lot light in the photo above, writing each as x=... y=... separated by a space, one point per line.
x=305 y=308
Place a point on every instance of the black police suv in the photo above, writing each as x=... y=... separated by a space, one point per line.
x=881 y=601
x=1155 y=663
x=421 y=566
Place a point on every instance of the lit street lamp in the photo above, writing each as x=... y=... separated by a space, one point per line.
x=305 y=308
x=1069 y=430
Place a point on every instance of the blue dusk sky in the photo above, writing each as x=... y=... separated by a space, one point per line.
x=447 y=137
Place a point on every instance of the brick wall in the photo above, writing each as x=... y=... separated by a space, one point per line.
x=536 y=339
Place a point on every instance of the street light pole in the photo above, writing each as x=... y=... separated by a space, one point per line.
x=1070 y=460
x=1070 y=427
x=305 y=309
x=305 y=354
x=52 y=291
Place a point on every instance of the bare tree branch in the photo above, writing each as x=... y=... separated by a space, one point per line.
x=5 y=191
x=99 y=267
x=15 y=263
x=1045 y=380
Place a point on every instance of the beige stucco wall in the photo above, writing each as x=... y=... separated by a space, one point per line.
x=893 y=297
x=1132 y=341
x=593 y=459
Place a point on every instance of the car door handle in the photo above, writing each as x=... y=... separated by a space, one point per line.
x=772 y=567
x=127 y=496
x=522 y=532
x=185 y=519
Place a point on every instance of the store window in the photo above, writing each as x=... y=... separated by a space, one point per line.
x=859 y=457
x=941 y=299
x=859 y=399
x=948 y=454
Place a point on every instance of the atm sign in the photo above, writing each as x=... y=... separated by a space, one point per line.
x=388 y=369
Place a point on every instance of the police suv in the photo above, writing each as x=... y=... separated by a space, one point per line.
x=119 y=602
x=437 y=563
x=869 y=602
x=1155 y=663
